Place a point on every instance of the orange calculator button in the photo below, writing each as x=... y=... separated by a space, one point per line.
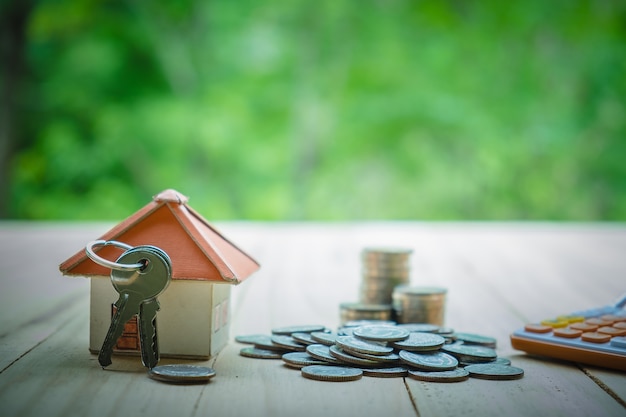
x=585 y=327
x=568 y=332
x=613 y=318
x=595 y=337
x=620 y=325
x=555 y=323
x=612 y=331
x=537 y=328
x=598 y=322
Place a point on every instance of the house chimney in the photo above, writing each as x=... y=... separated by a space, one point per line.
x=171 y=196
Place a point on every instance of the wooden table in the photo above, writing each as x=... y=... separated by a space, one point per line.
x=498 y=275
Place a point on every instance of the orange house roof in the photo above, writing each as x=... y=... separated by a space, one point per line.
x=197 y=250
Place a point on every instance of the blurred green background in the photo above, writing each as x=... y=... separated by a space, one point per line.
x=321 y=110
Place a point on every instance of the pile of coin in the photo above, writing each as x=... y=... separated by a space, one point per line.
x=382 y=270
x=422 y=351
x=419 y=304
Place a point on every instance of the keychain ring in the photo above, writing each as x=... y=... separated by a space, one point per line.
x=110 y=264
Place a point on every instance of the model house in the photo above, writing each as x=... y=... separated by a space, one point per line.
x=194 y=318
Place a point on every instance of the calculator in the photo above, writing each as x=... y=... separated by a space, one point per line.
x=594 y=337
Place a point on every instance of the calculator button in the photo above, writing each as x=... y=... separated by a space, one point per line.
x=594 y=337
x=612 y=331
x=571 y=319
x=620 y=325
x=619 y=342
x=538 y=328
x=568 y=333
x=613 y=318
x=585 y=327
x=555 y=323
x=598 y=322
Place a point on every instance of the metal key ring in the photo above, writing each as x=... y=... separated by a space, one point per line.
x=110 y=264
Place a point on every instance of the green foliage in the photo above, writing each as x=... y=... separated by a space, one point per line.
x=326 y=110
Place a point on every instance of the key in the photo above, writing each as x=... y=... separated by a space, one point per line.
x=148 y=333
x=138 y=291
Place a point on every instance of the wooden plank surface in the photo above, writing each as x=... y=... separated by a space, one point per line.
x=498 y=276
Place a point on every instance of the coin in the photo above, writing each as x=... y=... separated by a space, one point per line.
x=453 y=375
x=324 y=338
x=298 y=329
x=301 y=359
x=287 y=342
x=499 y=361
x=470 y=353
x=420 y=342
x=331 y=373
x=345 y=357
x=395 y=372
x=181 y=374
x=267 y=344
x=253 y=339
x=383 y=270
x=494 y=371
x=359 y=323
x=420 y=327
x=261 y=341
x=389 y=359
x=419 y=304
x=350 y=312
x=429 y=361
x=476 y=339
x=353 y=344
x=381 y=333
x=254 y=352
x=322 y=352
x=304 y=338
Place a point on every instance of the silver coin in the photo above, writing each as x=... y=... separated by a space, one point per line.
x=498 y=361
x=253 y=339
x=494 y=371
x=254 y=352
x=304 y=338
x=502 y=361
x=359 y=323
x=331 y=373
x=345 y=331
x=476 y=339
x=346 y=358
x=267 y=344
x=301 y=359
x=381 y=333
x=453 y=375
x=298 y=329
x=389 y=359
x=420 y=342
x=395 y=372
x=420 y=327
x=324 y=338
x=287 y=342
x=322 y=352
x=354 y=344
x=429 y=361
x=470 y=353
x=261 y=341
x=181 y=374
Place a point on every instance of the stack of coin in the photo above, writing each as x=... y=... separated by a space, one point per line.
x=350 y=312
x=419 y=304
x=383 y=270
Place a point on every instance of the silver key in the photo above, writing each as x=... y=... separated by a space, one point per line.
x=138 y=291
